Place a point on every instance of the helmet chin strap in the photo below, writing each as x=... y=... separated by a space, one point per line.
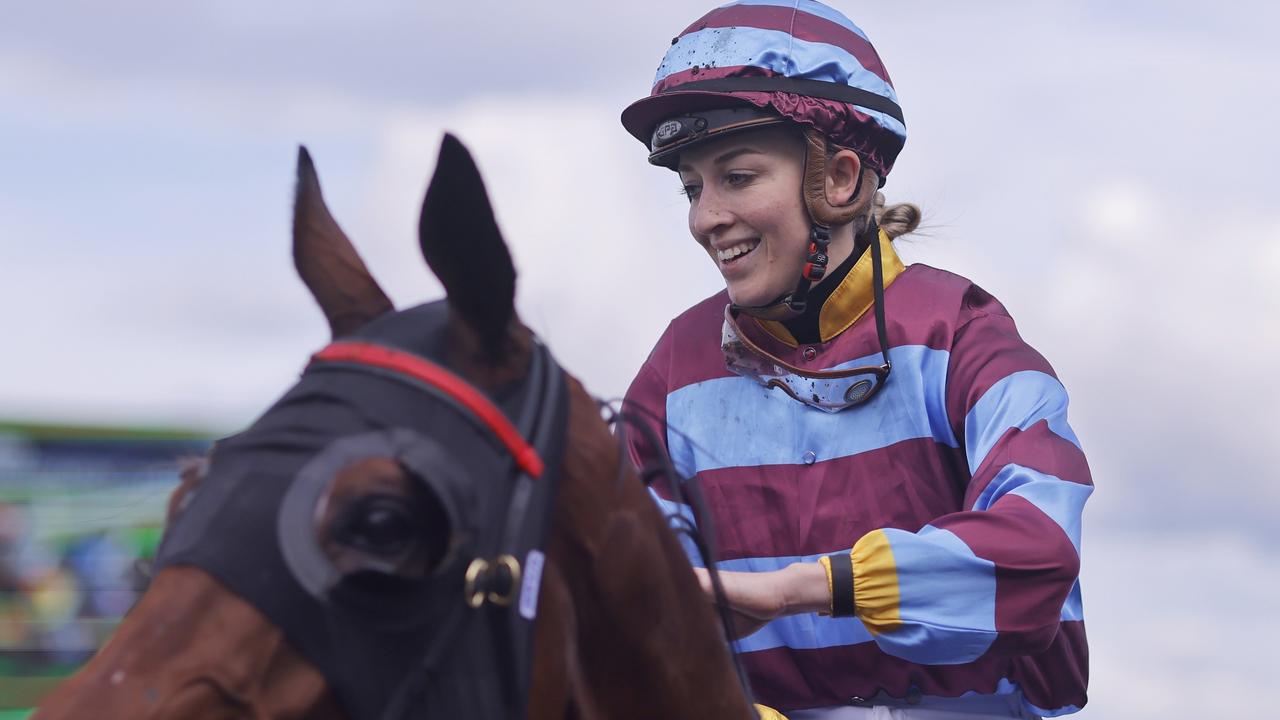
x=822 y=216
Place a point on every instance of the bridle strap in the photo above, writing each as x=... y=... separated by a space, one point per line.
x=427 y=375
x=534 y=486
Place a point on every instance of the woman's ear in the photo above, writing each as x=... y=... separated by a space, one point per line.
x=844 y=169
x=837 y=188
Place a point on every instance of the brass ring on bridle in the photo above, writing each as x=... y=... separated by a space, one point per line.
x=473 y=594
x=513 y=567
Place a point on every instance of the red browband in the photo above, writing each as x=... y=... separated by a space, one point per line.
x=423 y=370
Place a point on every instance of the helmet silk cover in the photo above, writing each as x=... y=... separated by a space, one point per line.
x=798 y=58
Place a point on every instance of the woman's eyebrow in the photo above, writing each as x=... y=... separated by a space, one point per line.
x=726 y=157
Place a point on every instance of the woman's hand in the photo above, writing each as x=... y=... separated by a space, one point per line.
x=755 y=598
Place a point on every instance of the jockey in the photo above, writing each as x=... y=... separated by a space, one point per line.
x=894 y=487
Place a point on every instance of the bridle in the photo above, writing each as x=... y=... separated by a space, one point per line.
x=507 y=566
x=458 y=642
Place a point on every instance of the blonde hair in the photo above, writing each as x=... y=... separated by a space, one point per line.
x=896 y=219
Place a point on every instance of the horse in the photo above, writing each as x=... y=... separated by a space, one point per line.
x=337 y=559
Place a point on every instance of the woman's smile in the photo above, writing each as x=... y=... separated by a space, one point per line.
x=732 y=257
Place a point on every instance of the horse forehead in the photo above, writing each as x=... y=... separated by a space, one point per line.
x=423 y=330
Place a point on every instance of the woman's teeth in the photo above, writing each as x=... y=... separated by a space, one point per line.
x=736 y=251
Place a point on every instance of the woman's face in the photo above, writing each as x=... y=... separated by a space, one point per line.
x=746 y=210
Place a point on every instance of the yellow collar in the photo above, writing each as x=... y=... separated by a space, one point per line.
x=851 y=298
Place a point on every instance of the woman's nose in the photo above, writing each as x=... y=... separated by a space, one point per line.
x=708 y=215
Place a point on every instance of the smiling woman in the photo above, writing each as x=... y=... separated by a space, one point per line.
x=900 y=520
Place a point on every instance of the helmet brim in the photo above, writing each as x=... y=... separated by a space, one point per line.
x=641 y=117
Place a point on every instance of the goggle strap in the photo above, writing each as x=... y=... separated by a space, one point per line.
x=877 y=282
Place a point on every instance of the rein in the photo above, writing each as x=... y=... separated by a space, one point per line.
x=686 y=491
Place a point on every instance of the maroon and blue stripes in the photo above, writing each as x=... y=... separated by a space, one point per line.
x=776 y=54
x=801 y=40
x=833 y=29
x=966 y=461
x=812 y=11
x=705 y=441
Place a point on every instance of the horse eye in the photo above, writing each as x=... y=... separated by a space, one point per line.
x=380 y=524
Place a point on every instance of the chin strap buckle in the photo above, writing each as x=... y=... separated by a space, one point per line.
x=815 y=265
x=794 y=304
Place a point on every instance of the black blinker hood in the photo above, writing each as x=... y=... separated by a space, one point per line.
x=415 y=650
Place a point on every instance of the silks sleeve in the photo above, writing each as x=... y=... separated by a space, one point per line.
x=1000 y=575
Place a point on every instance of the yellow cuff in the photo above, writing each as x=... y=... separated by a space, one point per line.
x=875 y=583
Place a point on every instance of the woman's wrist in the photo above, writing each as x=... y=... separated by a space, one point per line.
x=805 y=589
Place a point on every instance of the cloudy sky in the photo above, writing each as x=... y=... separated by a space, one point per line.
x=1107 y=169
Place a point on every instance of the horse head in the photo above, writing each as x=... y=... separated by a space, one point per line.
x=433 y=522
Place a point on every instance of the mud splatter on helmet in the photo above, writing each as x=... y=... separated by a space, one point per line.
x=760 y=62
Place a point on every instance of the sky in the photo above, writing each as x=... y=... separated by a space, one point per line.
x=1106 y=169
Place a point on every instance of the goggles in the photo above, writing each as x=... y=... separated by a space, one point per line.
x=827 y=390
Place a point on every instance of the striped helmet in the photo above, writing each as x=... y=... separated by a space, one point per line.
x=757 y=62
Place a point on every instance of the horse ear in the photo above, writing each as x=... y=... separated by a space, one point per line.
x=327 y=262
x=464 y=248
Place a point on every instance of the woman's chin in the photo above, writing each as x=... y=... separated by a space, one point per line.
x=751 y=297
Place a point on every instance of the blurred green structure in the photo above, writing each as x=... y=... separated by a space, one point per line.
x=81 y=513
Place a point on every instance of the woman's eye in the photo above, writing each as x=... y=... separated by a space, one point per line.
x=379 y=525
x=690 y=190
x=736 y=179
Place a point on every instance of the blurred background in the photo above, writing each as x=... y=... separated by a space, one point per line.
x=1107 y=169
